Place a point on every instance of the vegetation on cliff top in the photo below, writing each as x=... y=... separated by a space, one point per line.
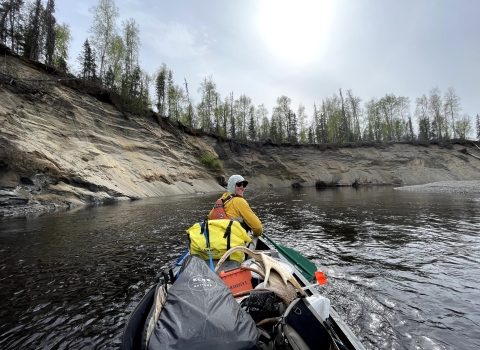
x=110 y=59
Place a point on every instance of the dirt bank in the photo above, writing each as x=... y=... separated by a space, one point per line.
x=64 y=144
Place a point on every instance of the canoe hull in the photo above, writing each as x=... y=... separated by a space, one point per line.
x=133 y=330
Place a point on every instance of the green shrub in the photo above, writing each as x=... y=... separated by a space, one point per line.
x=210 y=161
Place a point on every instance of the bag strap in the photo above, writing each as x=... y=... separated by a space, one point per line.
x=227 y=235
x=230 y=196
x=204 y=230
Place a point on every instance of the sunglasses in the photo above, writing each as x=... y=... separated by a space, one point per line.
x=240 y=184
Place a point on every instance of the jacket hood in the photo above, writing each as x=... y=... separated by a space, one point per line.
x=232 y=181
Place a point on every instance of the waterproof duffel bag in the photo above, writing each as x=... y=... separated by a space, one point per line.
x=216 y=237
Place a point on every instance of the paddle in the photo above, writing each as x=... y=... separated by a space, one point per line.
x=306 y=267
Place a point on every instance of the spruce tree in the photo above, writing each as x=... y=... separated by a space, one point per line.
x=160 y=84
x=33 y=45
x=50 y=31
x=251 y=128
x=86 y=59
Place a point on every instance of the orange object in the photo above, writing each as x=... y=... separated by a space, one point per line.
x=237 y=280
x=320 y=277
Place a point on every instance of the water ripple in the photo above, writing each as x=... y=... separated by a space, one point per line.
x=402 y=266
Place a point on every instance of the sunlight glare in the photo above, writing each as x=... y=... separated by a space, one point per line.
x=296 y=30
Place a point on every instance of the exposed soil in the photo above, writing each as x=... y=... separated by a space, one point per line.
x=65 y=143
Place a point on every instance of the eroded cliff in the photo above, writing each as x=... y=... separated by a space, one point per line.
x=63 y=144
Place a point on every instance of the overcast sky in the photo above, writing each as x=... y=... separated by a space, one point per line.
x=306 y=50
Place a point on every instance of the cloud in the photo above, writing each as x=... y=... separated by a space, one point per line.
x=173 y=40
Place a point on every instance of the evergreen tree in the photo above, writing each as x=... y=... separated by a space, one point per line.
x=50 y=31
x=34 y=32
x=311 y=135
x=109 y=80
x=292 y=128
x=251 y=127
x=320 y=124
x=422 y=114
x=424 y=129
x=433 y=130
x=410 y=135
x=11 y=24
x=233 y=127
x=86 y=59
x=274 y=128
x=224 y=116
x=160 y=87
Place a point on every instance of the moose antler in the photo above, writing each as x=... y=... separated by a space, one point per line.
x=268 y=263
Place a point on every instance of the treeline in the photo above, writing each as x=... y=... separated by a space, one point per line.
x=110 y=57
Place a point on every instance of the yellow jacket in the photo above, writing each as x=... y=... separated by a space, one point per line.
x=238 y=209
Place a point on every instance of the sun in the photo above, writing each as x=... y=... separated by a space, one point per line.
x=297 y=31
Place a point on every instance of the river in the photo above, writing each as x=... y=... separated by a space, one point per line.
x=403 y=267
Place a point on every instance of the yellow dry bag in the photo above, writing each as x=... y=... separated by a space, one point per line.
x=217 y=236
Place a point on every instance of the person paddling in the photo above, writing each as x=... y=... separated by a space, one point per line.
x=236 y=207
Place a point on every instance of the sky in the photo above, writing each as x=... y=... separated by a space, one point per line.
x=306 y=50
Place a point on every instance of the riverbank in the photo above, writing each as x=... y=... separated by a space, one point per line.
x=65 y=144
x=445 y=186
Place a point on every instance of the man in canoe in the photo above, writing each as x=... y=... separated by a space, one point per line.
x=235 y=207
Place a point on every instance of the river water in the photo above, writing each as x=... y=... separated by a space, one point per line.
x=403 y=267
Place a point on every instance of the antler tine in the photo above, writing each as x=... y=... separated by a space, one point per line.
x=233 y=250
x=258 y=272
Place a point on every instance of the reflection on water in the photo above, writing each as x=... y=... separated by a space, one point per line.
x=403 y=267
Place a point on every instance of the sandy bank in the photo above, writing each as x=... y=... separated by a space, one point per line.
x=445 y=186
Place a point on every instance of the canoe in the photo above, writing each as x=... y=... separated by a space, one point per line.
x=326 y=331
